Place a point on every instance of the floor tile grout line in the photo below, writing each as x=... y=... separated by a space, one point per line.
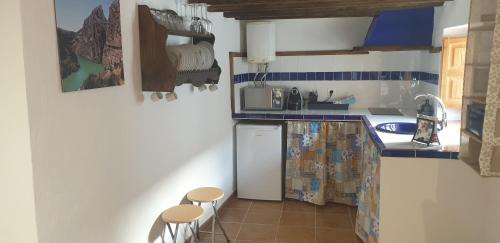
x=244 y=218
x=353 y=225
x=350 y=217
x=315 y=223
x=279 y=221
x=349 y=214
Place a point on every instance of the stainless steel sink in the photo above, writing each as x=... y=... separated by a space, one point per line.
x=405 y=128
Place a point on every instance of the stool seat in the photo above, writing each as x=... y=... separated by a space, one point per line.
x=182 y=214
x=205 y=194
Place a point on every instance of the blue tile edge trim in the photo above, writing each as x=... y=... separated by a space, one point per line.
x=426 y=77
x=373 y=134
x=402 y=153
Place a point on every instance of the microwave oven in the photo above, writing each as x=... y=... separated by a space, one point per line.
x=263 y=98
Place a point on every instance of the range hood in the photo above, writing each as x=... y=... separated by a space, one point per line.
x=406 y=29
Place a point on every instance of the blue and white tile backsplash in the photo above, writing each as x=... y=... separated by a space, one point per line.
x=343 y=76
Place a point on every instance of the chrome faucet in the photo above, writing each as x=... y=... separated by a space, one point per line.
x=444 y=118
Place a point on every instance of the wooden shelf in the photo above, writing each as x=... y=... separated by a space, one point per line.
x=198 y=77
x=488 y=17
x=478 y=65
x=307 y=53
x=187 y=34
x=159 y=74
x=431 y=49
x=477 y=99
x=472 y=135
x=483 y=26
x=321 y=53
x=468 y=161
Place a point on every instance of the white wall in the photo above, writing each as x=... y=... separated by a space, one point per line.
x=343 y=34
x=492 y=216
x=433 y=201
x=318 y=34
x=452 y=14
x=17 y=206
x=372 y=93
x=108 y=161
x=437 y=201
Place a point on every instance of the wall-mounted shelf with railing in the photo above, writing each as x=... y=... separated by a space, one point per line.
x=159 y=71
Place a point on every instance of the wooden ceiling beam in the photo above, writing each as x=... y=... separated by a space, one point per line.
x=218 y=2
x=329 y=5
x=309 y=15
x=312 y=12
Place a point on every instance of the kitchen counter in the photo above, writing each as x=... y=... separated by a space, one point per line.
x=390 y=145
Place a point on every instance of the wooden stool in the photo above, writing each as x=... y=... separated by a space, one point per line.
x=182 y=214
x=208 y=195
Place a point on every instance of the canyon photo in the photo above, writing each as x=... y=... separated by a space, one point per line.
x=90 y=44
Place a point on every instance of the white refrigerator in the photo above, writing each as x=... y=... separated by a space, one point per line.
x=259 y=150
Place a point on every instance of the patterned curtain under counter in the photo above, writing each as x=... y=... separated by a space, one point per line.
x=323 y=162
x=367 y=218
x=335 y=162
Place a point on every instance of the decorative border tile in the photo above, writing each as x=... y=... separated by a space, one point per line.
x=343 y=76
x=404 y=153
x=433 y=154
x=400 y=153
x=334 y=118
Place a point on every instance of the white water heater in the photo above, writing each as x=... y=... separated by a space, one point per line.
x=261 y=42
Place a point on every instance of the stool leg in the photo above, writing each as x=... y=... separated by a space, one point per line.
x=197 y=225
x=193 y=232
x=213 y=229
x=217 y=219
x=163 y=235
x=174 y=235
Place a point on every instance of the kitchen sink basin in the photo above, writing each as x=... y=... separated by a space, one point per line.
x=398 y=128
x=405 y=128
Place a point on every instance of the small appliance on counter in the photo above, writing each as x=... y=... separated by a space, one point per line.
x=263 y=98
x=294 y=100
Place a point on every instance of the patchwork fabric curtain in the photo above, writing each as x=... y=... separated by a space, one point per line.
x=367 y=218
x=324 y=162
x=335 y=162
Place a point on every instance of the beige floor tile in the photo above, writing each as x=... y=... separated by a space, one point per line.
x=207 y=238
x=334 y=220
x=291 y=234
x=289 y=221
x=332 y=208
x=298 y=206
x=358 y=240
x=353 y=212
x=233 y=215
x=267 y=217
x=325 y=235
x=297 y=219
x=252 y=241
x=266 y=206
x=238 y=203
x=257 y=232
x=230 y=228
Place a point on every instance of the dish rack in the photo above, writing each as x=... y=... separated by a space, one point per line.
x=159 y=74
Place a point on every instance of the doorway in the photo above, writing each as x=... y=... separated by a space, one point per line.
x=452 y=71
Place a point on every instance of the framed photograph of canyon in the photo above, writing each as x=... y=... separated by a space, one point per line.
x=90 y=44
